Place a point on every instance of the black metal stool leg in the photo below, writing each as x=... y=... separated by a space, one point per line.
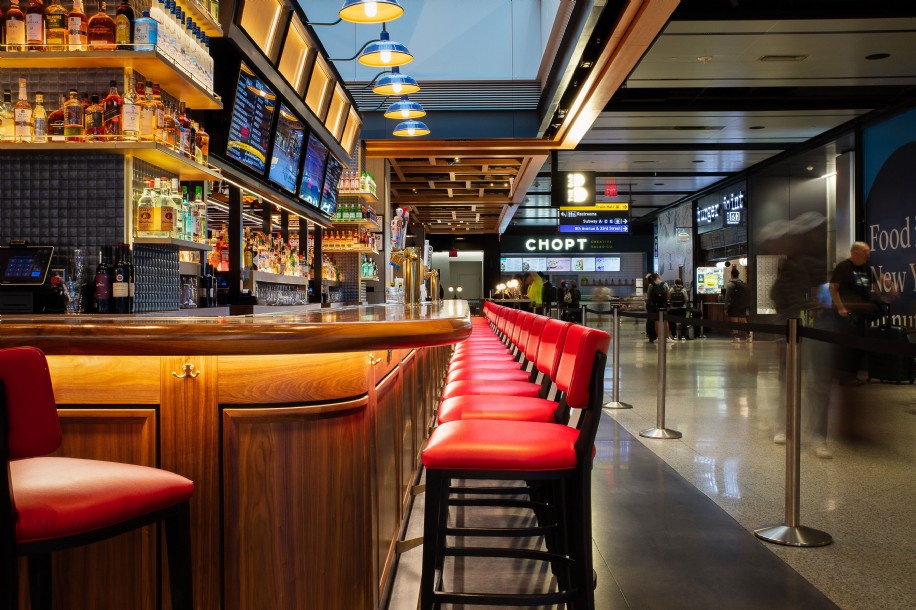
x=40 y=597
x=178 y=550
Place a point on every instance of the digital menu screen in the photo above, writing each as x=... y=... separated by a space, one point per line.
x=534 y=264
x=558 y=264
x=316 y=155
x=252 y=115
x=710 y=280
x=583 y=264
x=510 y=265
x=607 y=264
x=284 y=160
x=331 y=184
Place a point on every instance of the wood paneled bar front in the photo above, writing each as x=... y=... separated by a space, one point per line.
x=301 y=432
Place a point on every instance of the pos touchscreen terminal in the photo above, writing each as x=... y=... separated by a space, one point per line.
x=23 y=270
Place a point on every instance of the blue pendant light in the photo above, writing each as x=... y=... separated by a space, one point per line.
x=411 y=129
x=384 y=53
x=405 y=109
x=395 y=83
x=370 y=11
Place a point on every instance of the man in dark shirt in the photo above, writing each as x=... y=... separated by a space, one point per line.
x=850 y=287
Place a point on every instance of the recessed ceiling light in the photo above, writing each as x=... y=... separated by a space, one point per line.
x=699 y=161
x=875 y=56
x=643 y=161
x=659 y=184
x=756 y=127
x=782 y=58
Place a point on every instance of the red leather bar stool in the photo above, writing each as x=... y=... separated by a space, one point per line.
x=54 y=503
x=468 y=367
x=558 y=456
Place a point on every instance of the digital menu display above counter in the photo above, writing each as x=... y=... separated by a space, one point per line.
x=316 y=156
x=510 y=265
x=577 y=264
x=252 y=116
x=534 y=264
x=284 y=160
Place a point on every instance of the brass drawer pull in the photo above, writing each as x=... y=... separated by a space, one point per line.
x=188 y=372
x=373 y=360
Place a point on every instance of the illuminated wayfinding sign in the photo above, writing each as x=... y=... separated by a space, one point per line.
x=599 y=218
x=572 y=188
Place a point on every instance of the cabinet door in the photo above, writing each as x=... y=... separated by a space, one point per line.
x=386 y=415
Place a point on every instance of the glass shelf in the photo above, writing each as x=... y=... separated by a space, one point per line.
x=153 y=65
x=178 y=244
x=364 y=195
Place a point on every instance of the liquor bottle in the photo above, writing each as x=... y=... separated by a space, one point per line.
x=103 y=283
x=146 y=210
x=204 y=143
x=200 y=215
x=7 y=118
x=35 y=24
x=94 y=121
x=165 y=210
x=128 y=256
x=101 y=31
x=40 y=119
x=120 y=283
x=184 y=123
x=124 y=26
x=147 y=113
x=130 y=114
x=56 y=27
x=180 y=216
x=56 y=122
x=170 y=128
x=73 y=118
x=22 y=115
x=146 y=33
x=111 y=112
x=159 y=119
x=77 y=28
x=14 y=27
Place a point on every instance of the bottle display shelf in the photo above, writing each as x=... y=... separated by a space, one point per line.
x=153 y=65
x=201 y=17
x=362 y=223
x=152 y=152
x=178 y=244
x=369 y=279
x=364 y=195
x=276 y=278
x=332 y=250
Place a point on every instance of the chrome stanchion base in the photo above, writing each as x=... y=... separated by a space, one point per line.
x=660 y=433
x=794 y=536
x=616 y=404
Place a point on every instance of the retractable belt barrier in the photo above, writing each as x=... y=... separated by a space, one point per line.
x=790 y=532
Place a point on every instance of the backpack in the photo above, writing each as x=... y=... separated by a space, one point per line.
x=658 y=296
x=739 y=296
x=678 y=297
x=547 y=293
x=567 y=297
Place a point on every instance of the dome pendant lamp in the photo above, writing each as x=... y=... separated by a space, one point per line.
x=411 y=129
x=395 y=83
x=384 y=53
x=405 y=109
x=370 y=11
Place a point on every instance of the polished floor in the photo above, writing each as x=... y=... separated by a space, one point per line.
x=673 y=519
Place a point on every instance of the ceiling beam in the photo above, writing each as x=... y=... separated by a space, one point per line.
x=492 y=148
x=684 y=146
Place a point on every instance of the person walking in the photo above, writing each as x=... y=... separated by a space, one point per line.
x=677 y=306
x=737 y=301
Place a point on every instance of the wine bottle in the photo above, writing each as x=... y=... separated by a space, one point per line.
x=103 y=284
x=120 y=285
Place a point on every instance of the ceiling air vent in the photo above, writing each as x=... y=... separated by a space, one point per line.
x=783 y=58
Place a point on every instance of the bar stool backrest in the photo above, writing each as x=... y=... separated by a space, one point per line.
x=521 y=328
x=551 y=346
x=576 y=363
x=534 y=337
x=32 y=425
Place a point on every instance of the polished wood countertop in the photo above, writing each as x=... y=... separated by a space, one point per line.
x=344 y=329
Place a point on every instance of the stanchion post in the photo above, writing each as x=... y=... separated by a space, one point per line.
x=660 y=431
x=615 y=384
x=790 y=533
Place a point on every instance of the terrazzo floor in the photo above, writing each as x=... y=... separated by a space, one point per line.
x=673 y=519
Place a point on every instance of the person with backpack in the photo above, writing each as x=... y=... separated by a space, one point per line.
x=677 y=306
x=656 y=301
x=737 y=302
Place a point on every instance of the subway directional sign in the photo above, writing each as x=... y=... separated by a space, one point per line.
x=599 y=218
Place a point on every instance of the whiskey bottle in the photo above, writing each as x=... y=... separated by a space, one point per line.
x=14 y=27
x=77 y=28
x=40 y=120
x=73 y=118
x=101 y=31
x=170 y=128
x=130 y=115
x=56 y=27
x=7 y=120
x=146 y=210
x=56 y=122
x=103 y=283
x=203 y=143
x=184 y=124
x=111 y=112
x=22 y=115
x=35 y=25
x=147 y=113
x=93 y=117
x=124 y=27
x=159 y=109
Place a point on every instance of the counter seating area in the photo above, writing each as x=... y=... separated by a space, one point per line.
x=505 y=416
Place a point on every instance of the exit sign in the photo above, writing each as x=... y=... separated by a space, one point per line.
x=610 y=189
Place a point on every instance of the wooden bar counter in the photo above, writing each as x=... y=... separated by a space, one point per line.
x=300 y=430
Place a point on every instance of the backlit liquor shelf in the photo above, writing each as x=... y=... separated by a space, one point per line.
x=152 y=64
x=151 y=152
